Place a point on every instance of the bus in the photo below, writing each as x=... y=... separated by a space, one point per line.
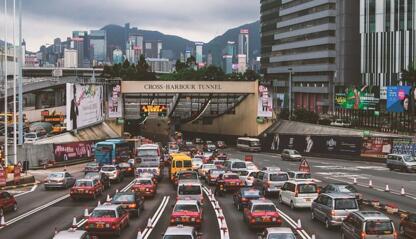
x=112 y=151
x=249 y=144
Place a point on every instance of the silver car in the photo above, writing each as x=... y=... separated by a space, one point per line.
x=72 y=234
x=278 y=233
x=402 y=162
x=371 y=224
x=333 y=208
x=59 y=180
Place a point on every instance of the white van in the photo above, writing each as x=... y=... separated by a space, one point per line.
x=190 y=190
x=248 y=144
x=298 y=194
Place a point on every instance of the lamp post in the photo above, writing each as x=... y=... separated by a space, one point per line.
x=290 y=92
x=5 y=87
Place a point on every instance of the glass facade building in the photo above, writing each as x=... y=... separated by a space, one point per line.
x=387 y=30
x=98 y=45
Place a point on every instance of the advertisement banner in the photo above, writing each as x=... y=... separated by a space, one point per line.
x=3 y=176
x=83 y=105
x=358 y=98
x=317 y=144
x=73 y=151
x=265 y=103
x=115 y=103
x=16 y=174
x=403 y=146
x=398 y=98
x=376 y=147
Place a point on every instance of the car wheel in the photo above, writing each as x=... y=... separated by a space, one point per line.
x=292 y=205
x=14 y=207
x=312 y=215
x=327 y=224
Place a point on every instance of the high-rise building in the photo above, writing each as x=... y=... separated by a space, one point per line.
x=317 y=43
x=242 y=63
x=160 y=65
x=98 y=45
x=159 y=48
x=228 y=57
x=243 y=44
x=388 y=39
x=269 y=15
x=152 y=49
x=117 y=56
x=78 y=43
x=209 y=59
x=134 y=48
x=198 y=53
x=70 y=58
x=188 y=53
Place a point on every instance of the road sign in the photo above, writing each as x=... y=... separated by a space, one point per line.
x=304 y=166
x=3 y=176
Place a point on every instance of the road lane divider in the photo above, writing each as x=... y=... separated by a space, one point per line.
x=152 y=222
x=222 y=223
x=31 y=190
x=297 y=226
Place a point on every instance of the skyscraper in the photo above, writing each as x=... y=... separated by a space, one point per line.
x=242 y=63
x=243 y=44
x=78 y=43
x=98 y=45
x=134 y=48
x=117 y=56
x=228 y=57
x=198 y=53
x=70 y=58
x=152 y=49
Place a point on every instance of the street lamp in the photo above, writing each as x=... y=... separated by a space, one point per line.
x=290 y=92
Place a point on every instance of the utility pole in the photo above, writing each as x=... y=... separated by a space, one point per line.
x=6 y=118
x=290 y=93
x=14 y=86
x=21 y=59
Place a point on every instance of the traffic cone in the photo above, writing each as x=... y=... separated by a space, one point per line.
x=313 y=236
x=74 y=222
x=402 y=192
x=116 y=190
x=2 y=221
x=387 y=189
x=86 y=214
x=108 y=198
x=299 y=225
x=355 y=181
x=370 y=184
x=99 y=203
x=149 y=223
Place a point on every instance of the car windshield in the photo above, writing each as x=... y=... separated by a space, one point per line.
x=347 y=189
x=183 y=207
x=187 y=176
x=188 y=143
x=278 y=177
x=83 y=183
x=231 y=176
x=108 y=169
x=147 y=152
x=144 y=181
x=251 y=193
x=216 y=172
x=177 y=237
x=243 y=173
x=409 y=158
x=124 y=165
x=239 y=165
x=187 y=163
x=103 y=213
x=196 y=160
x=345 y=203
x=281 y=236
x=56 y=175
x=91 y=165
x=209 y=166
x=378 y=227
x=303 y=176
x=264 y=208
x=189 y=190
x=307 y=188
x=92 y=175
x=123 y=198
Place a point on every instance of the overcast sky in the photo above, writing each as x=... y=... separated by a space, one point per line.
x=196 y=20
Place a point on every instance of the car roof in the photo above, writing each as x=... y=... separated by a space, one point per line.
x=339 y=195
x=109 y=165
x=301 y=182
x=186 y=171
x=57 y=172
x=107 y=207
x=262 y=202
x=372 y=215
x=230 y=173
x=69 y=234
x=189 y=181
x=179 y=230
x=285 y=230
x=144 y=178
x=298 y=172
x=187 y=202
x=143 y=146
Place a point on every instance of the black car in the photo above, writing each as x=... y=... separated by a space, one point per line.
x=127 y=169
x=130 y=201
x=100 y=176
x=92 y=167
x=243 y=196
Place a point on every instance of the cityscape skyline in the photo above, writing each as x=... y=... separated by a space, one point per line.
x=190 y=23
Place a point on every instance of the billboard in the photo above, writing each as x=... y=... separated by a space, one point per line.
x=265 y=103
x=398 y=99
x=73 y=151
x=84 y=105
x=403 y=146
x=376 y=147
x=358 y=98
x=115 y=103
x=159 y=110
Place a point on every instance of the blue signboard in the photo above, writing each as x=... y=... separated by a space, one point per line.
x=398 y=99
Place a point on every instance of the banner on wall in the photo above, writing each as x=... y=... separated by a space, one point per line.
x=398 y=99
x=73 y=151
x=115 y=103
x=376 y=147
x=404 y=146
x=83 y=105
x=265 y=103
x=358 y=98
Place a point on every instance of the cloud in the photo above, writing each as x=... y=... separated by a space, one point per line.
x=197 y=20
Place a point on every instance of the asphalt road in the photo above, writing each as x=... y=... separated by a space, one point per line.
x=43 y=223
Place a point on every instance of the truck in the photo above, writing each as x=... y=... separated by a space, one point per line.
x=148 y=158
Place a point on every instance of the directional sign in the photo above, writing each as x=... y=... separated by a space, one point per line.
x=304 y=166
x=160 y=110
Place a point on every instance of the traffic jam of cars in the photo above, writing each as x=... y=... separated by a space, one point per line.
x=198 y=166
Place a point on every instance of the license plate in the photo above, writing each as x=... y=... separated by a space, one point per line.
x=100 y=225
x=185 y=219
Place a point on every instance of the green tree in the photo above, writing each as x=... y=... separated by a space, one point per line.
x=251 y=75
x=180 y=66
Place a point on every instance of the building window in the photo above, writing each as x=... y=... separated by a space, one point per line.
x=372 y=15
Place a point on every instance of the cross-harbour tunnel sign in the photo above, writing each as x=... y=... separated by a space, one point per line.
x=246 y=87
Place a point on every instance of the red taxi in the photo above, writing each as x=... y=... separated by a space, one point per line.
x=187 y=212
x=261 y=213
x=148 y=175
x=107 y=219
x=86 y=188
x=232 y=181
x=7 y=202
x=145 y=187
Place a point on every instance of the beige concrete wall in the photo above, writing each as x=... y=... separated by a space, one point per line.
x=118 y=128
x=243 y=122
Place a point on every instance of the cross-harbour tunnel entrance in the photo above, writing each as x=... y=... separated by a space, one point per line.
x=207 y=107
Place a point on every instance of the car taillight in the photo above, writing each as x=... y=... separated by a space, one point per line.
x=133 y=205
x=333 y=213
x=363 y=235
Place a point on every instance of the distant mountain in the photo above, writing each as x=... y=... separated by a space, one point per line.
x=116 y=36
x=216 y=45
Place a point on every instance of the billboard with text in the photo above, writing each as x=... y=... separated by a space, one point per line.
x=398 y=99
x=358 y=98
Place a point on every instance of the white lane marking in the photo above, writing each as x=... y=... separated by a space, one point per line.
x=31 y=190
x=223 y=234
x=127 y=187
x=146 y=233
x=33 y=211
x=293 y=224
